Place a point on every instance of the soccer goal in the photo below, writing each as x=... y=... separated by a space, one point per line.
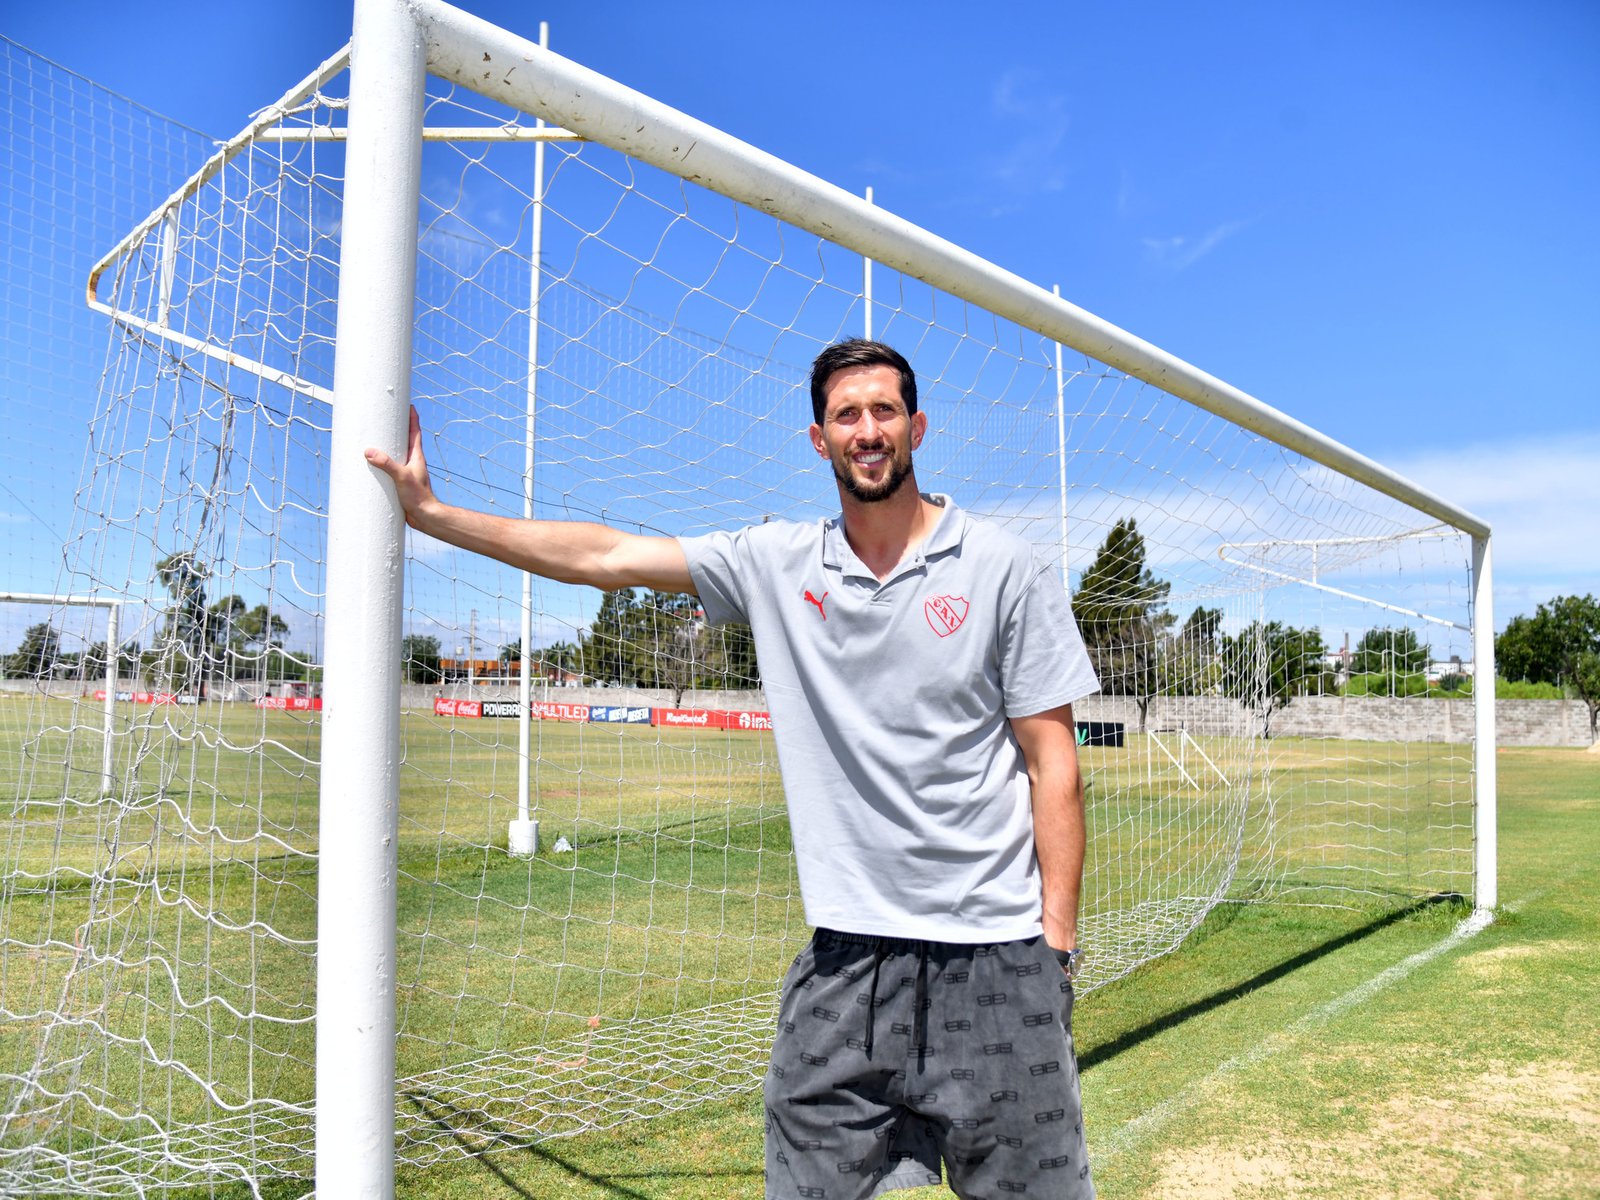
x=443 y=858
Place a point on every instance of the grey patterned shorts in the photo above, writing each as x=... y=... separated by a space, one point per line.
x=894 y=1055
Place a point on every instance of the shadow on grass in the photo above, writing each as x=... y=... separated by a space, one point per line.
x=1133 y=1037
x=486 y=1139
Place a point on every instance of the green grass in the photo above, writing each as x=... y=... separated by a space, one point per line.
x=678 y=840
x=1251 y=1064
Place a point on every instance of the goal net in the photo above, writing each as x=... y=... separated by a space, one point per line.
x=598 y=339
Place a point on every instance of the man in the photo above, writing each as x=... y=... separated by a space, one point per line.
x=920 y=668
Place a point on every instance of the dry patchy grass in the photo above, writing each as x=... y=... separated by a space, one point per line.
x=1526 y=1130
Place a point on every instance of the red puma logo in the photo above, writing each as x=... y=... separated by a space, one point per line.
x=810 y=599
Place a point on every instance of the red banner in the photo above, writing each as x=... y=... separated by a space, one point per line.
x=709 y=718
x=291 y=703
x=148 y=697
x=457 y=708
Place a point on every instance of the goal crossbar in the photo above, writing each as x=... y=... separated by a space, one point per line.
x=502 y=66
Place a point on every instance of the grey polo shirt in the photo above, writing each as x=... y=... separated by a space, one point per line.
x=908 y=795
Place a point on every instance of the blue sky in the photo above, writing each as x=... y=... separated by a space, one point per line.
x=1376 y=217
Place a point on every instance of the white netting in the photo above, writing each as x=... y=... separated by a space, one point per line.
x=156 y=1001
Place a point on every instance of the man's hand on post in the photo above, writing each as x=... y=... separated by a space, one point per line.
x=410 y=478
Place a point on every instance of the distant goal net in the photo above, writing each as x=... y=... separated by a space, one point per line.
x=597 y=337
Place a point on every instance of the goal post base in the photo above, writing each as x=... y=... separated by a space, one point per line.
x=523 y=839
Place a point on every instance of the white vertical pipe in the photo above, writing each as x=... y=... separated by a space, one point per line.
x=523 y=835
x=357 y=866
x=108 y=785
x=866 y=286
x=1486 y=882
x=168 y=249
x=1061 y=457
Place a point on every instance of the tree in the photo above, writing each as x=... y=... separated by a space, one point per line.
x=223 y=617
x=733 y=657
x=558 y=660
x=261 y=628
x=554 y=661
x=186 y=631
x=37 y=655
x=1559 y=644
x=611 y=647
x=1119 y=606
x=1391 y=662
x=127 y=661
x=1266 y=665
x=1189 y=667
x=419 y=658
x=671 y=653
x=233 y=631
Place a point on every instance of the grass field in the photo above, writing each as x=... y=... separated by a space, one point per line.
x=681 y=886
x=1283 y=1052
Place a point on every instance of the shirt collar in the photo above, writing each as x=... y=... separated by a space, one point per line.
x=946 y=536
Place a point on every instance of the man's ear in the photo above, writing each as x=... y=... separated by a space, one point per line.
x=919 y=426
x=817 y=443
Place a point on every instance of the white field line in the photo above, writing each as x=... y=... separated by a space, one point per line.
x=1151 y=1120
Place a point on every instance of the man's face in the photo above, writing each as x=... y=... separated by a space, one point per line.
x=865 y=432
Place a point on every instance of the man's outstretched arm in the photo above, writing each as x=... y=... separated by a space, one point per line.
x=568 y=551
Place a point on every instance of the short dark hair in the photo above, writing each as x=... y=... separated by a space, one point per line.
x=859 y=352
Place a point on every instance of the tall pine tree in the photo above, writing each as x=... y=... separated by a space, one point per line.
x=1120 y=606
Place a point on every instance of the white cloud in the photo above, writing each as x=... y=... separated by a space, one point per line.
x=1182 y=252
x=1540 y=496
x=1037 y=122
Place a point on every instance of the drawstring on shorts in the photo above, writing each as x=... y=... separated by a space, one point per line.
x=883 y=948
x=872 y=996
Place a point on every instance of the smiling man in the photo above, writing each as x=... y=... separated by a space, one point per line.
x=920 y=667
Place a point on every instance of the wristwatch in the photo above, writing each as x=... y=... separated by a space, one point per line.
x=1070 y=960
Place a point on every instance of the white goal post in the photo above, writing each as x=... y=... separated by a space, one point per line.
x=394 y=45
x=113 y=609
x=605 y=309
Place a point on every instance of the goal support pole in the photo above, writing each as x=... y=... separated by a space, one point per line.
x=356 y=886
x=1485 y=844
x=522 y=836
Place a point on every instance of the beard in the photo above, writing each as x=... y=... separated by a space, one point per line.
x=870 y=493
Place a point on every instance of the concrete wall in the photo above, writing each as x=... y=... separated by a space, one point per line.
x=420 y=696
x=1375 y=718
x=1378 y=718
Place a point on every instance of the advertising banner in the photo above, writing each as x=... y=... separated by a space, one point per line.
x=687 y=718
x=457 y=708
x=1100 y=733
x=620 y=714
x=549 y=710
x=291 y=703
x=709 y=718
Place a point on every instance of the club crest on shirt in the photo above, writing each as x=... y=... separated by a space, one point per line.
x=945 y=614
